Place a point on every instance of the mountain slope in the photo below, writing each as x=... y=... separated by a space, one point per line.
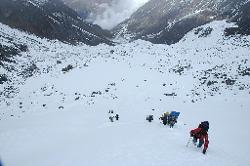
x=161 y=21
x=54 y=114
x=51 y=19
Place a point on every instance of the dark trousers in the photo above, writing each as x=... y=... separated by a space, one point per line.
x=201 y=142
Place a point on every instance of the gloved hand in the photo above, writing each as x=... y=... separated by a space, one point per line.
x=204 y=151
x=191 y=134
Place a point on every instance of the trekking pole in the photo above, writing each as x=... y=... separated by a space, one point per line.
x=188 y=141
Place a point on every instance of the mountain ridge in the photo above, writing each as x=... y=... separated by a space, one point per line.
x=51 y=19
x=161 y=21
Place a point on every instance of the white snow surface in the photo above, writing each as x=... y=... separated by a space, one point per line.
x=61 y=118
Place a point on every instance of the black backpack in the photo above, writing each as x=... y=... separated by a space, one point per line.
x=204 y=125
x=150 y=118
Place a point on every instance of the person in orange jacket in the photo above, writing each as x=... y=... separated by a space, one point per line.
x=201 y=134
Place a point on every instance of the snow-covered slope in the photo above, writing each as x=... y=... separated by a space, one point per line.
x=60 y=115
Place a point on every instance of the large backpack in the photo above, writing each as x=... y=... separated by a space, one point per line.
x=175 y=114
x=204 y=125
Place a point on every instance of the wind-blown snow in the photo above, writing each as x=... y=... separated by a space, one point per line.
x=37 y=2
x=61 y=118
x=117 y=12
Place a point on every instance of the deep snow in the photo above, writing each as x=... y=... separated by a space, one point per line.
x=62 y=119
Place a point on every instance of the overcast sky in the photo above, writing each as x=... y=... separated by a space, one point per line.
x=117 y=12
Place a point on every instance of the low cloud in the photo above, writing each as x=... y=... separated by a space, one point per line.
x=117 y=12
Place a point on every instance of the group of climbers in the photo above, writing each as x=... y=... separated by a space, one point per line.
x=170 y=118
x=199 y=135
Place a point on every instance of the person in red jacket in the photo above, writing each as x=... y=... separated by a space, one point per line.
x=201 y=134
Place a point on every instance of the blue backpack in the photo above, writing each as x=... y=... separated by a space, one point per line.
x=175 y=114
